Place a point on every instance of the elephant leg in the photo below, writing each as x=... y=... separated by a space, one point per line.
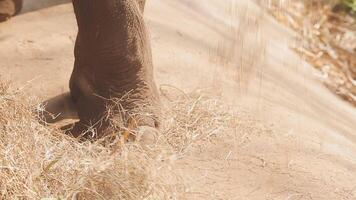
x=79 y=130
x=96 y=123
x=91 y=110
x=141 y=129
x=113 y=68
x=145 y=135
x=9 y=8
x=58 y=108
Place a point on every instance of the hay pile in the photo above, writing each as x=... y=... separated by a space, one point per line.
x=327 y=40
x=40 y=162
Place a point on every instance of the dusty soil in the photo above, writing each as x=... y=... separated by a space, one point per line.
x=296 y=139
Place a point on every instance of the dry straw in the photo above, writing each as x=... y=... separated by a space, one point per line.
x=40 y=162
x=327 y=38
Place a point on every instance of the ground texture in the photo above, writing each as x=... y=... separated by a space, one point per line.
x=287 y=137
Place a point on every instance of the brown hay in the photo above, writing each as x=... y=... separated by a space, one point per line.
x=194 y=117
x=40 y=162
x=327 y=40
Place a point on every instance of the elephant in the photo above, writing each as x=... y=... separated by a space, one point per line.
x=8 y=8
x=112 y=76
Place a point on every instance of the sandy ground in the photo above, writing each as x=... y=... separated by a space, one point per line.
x=300 y=140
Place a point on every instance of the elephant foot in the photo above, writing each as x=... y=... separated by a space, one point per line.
x=4 y=17
x=9 y=8
x=144 y=134
x=76 y=130
x=84 y=132
x=58 y=108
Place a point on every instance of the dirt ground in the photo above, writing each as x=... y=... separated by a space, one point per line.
x=296 y=140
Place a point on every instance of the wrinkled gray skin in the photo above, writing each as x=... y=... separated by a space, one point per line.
x=112 y=59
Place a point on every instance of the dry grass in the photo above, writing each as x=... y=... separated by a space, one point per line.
x=327 y=40
x=40 y=162
x=194 y=117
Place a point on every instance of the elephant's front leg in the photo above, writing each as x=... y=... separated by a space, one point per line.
x=84 y=130
x=9 y=8
x=113 y=61
x=100 y=119
x=58 y=108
